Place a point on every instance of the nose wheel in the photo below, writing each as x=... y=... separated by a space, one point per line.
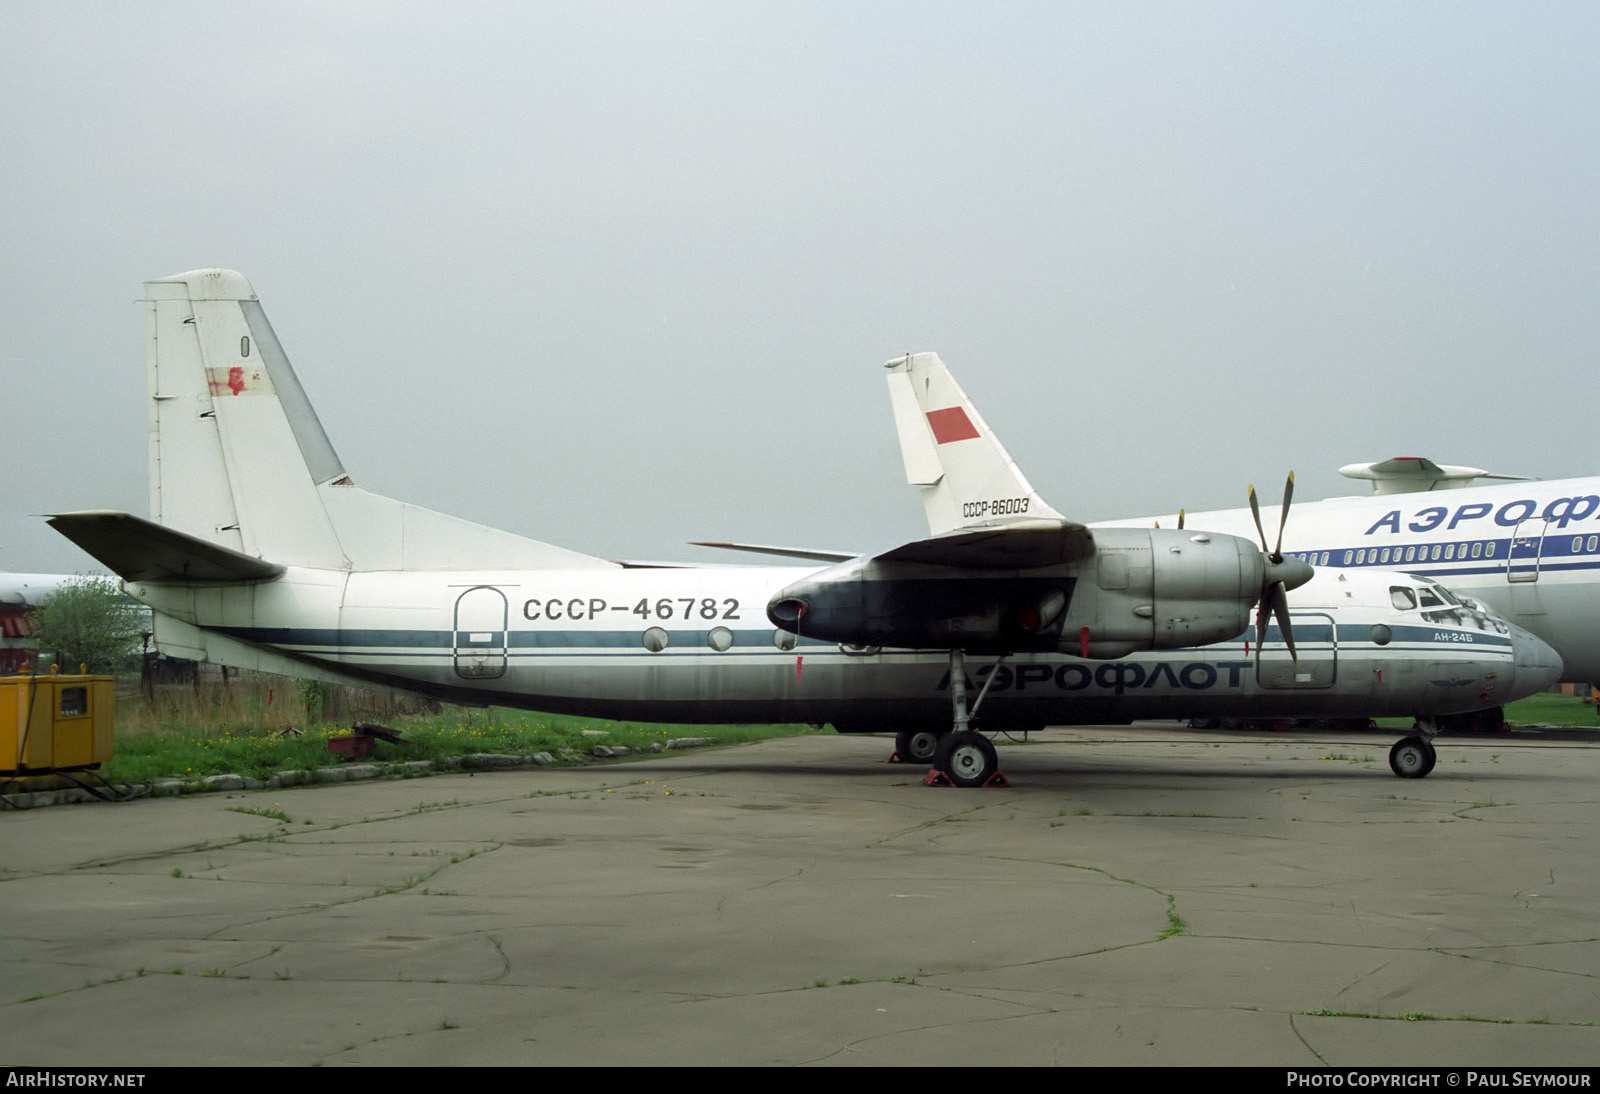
x=1412 y=757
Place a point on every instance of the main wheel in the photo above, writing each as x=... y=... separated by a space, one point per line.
x=968 y=758
x=917 y=746
x=1412 y=757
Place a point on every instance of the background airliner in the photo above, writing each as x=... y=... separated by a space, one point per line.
x=1529 y=549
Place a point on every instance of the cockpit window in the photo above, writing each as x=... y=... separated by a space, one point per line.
x=1449 y=597
x=1403 y=598
x=1429 y=600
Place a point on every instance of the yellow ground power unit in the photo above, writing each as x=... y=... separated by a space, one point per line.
x=54 y=722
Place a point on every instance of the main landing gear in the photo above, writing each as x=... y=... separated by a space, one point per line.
x=917 y=746
x=967 y=758
x=1413 y=757
x=963 y=756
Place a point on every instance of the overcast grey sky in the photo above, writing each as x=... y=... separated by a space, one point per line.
x=619 y=276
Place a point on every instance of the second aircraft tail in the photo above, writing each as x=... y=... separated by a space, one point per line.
x=969 y=480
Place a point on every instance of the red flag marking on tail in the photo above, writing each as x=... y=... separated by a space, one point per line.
x=951 y=424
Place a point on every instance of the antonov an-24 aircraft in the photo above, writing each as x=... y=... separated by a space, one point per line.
x=262 y=553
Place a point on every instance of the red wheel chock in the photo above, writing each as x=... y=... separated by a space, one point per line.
x=935 y=777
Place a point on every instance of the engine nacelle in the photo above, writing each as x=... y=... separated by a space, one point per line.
x=1139 y=589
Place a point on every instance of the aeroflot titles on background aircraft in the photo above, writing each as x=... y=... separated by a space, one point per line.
x=263 y=554
x=1529 y=549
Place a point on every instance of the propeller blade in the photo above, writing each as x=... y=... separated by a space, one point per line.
x=1280 y=608
x=1255 y=511
x=1180 y=520
x=1283 y=518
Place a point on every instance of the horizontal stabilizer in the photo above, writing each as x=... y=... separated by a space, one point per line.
x=783 y=552
x=139 y=550
x=1012 y=547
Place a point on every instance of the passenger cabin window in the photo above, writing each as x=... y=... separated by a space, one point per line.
x=1403 y=598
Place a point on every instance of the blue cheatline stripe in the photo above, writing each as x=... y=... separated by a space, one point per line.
x=1552 y=557
x=1425 y=637
x=333 y=637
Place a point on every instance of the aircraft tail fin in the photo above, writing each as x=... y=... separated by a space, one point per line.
x=239 y=459
x=968 y=479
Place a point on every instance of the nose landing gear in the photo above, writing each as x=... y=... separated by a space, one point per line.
x=1414 y=756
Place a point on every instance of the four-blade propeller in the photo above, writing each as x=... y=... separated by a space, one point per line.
x=1279 y=575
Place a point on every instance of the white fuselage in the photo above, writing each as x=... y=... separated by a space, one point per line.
x=1531 y=550
x=695 y=645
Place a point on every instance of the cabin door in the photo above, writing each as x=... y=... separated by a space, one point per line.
x=1318 y=645
x=480 y=633
x=1527 y=546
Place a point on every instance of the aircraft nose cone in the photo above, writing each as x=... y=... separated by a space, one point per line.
x=1538 y=665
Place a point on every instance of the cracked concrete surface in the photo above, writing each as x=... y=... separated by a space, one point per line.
x=1138 y=896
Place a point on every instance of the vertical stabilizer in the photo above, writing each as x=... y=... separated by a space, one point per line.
x=239 y=459
x=236 y=452
x=968 y=479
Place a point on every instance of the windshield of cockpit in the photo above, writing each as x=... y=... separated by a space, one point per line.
x=1436 y=604
x=1407 y=598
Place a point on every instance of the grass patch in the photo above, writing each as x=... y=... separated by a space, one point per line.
x=1175 y=923
x=1558 y=710
x=1546 y=708
x=220 y=740
x=271 y=814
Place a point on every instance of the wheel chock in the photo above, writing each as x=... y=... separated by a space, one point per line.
x=896 y=758
x=935 y=777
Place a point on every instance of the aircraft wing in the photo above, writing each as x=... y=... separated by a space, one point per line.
x=784 y=552
x=1008 y=547
x=136 y=549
